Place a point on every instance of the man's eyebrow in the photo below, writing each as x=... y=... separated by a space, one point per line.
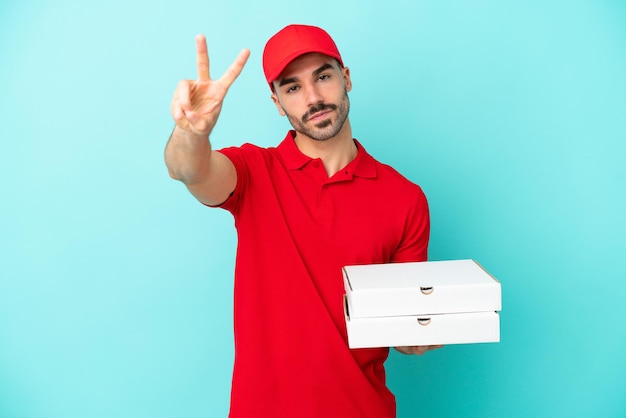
x=315 y=73
x=322 y=69
x=287 y=81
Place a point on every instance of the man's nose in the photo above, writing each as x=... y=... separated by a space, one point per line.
x=313 y=95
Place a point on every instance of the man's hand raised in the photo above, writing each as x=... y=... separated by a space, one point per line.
x=210 y=176
x=197 y=104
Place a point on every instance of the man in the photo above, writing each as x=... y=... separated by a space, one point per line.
x=303 y=210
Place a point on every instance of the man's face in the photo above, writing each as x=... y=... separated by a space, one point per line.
x=312 y=92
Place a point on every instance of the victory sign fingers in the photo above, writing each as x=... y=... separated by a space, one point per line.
x=197 y=104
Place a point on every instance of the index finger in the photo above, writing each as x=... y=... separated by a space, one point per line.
x=202 y=58
x=235 y=68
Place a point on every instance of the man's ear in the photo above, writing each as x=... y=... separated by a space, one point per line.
x=346 y=76
x=274 y=98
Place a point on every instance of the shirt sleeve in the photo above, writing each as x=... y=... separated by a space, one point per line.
x=414 y=244
x=237 y=156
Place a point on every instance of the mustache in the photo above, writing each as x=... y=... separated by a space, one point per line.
x=316 y=109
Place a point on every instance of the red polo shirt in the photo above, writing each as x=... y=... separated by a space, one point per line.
x=296 y=229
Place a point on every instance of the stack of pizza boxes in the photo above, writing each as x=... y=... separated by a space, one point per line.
x=421 y=303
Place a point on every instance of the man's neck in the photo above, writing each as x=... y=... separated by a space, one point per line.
x=335 y=153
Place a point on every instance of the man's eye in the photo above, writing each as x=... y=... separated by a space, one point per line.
x=324 y=77
x=292 y=89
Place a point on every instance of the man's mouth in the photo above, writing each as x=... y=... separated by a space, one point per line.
x=319 y=115
x=318 y=112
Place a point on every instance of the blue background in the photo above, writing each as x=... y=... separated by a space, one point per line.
x=116 y=286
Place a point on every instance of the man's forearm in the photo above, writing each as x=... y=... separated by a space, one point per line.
x=187 y=156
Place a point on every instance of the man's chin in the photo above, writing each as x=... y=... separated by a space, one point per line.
x=317 y=135
x=323 y=135
x=324 y=123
